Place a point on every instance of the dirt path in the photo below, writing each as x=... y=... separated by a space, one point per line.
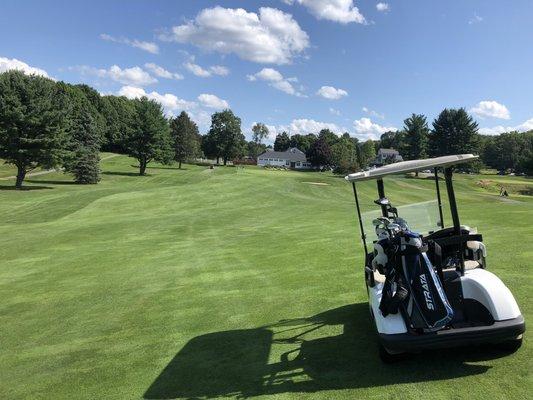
x=6 y=178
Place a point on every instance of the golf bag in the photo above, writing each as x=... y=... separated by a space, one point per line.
x=412 y=286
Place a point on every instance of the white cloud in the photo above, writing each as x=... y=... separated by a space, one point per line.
x=373 y=113
x=367 y=129
x=383 y=7
x=525 y=126
x=475 y=19
x=331 y=93
x=134 y=76
x=197 y=70
x=212 y=101
x=171 y=103
x=491 y=108
x=276 y=80
x=271 y=36
x=150 y=47
x=161 y=72
x=7 y=64
x=304 y=126
x=219 y=70
x=343 y=11
x=334 y=111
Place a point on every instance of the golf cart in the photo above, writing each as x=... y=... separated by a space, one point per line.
x=428 y=285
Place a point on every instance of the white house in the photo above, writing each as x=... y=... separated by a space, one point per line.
x=387 y=156
x=291 y=158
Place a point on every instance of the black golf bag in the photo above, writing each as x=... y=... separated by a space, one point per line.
x=412 y=286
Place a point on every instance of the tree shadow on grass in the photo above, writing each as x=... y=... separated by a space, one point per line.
x=118 y=173
x=236 y=363
x=174 y=168
x=25 y=188
x=48 y=182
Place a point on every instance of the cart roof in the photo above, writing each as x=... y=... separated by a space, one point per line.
x=410 y=166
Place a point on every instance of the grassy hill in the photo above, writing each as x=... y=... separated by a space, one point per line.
x=203 y=283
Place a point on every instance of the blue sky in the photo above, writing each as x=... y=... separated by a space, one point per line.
x=359 y=66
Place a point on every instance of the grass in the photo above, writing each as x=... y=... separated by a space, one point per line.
x=201 y=283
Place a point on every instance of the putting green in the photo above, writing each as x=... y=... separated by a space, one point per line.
x=200 y=283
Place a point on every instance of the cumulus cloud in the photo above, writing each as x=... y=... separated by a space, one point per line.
x=303 y=126
x=343 y=11
x=331 y=93
x=271 y=36
x=525 y=126
x=491 y=109
x=383 y=7
x=276 y=80
x=134 y=76
x=171 y=103
x=7 y=64
x=373 y=113
x=150 y=47
x=334 y=111
x=197 y=70
x=161 y=72
x=212 y=101
x=367 y=129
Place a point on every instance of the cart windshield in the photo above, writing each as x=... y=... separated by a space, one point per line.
x=421 y=217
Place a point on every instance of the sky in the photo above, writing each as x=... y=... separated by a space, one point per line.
x=357 y=66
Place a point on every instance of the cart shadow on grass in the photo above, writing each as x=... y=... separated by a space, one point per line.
x=239 y=362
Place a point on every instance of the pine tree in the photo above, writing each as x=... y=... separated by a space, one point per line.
x=184 y=133
x=454 y=132
x=86 y=150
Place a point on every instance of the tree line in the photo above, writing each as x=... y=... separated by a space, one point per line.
x=454 y=131
x=49 y=124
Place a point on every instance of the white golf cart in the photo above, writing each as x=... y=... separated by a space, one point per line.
x=427 y=284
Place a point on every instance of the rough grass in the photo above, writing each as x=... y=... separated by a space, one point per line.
x=201 y=283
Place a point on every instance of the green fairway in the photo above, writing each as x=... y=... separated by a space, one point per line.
x=200 y=283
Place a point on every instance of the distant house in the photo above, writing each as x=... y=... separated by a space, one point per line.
x=291 y=158
x=387 y=156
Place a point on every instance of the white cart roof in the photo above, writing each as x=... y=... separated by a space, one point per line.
x=410 y=166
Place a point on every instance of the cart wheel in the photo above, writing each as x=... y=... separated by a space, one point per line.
x=389 y=358
x=510 y=345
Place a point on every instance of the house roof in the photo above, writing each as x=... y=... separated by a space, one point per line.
x=388 y=151
x=410 y=166
x=292 y=154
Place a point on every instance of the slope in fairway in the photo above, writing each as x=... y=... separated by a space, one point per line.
x=201 y=283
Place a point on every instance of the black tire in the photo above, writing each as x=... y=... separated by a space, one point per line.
x=387 y=357
x=510 y=345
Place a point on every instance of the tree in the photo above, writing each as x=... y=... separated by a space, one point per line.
x=416 y=134
x=149 y=140
x=302 y=142
x=85 y=135
x=366 y=153
x=282 y=142
x=328 y=136
x=210 y=147
x=32 y=123
x=320 y=154
x=184 y=133
x=344 y=155
x=226 y=133
x=119 y=115
x=260 y=132
x=454 y=132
